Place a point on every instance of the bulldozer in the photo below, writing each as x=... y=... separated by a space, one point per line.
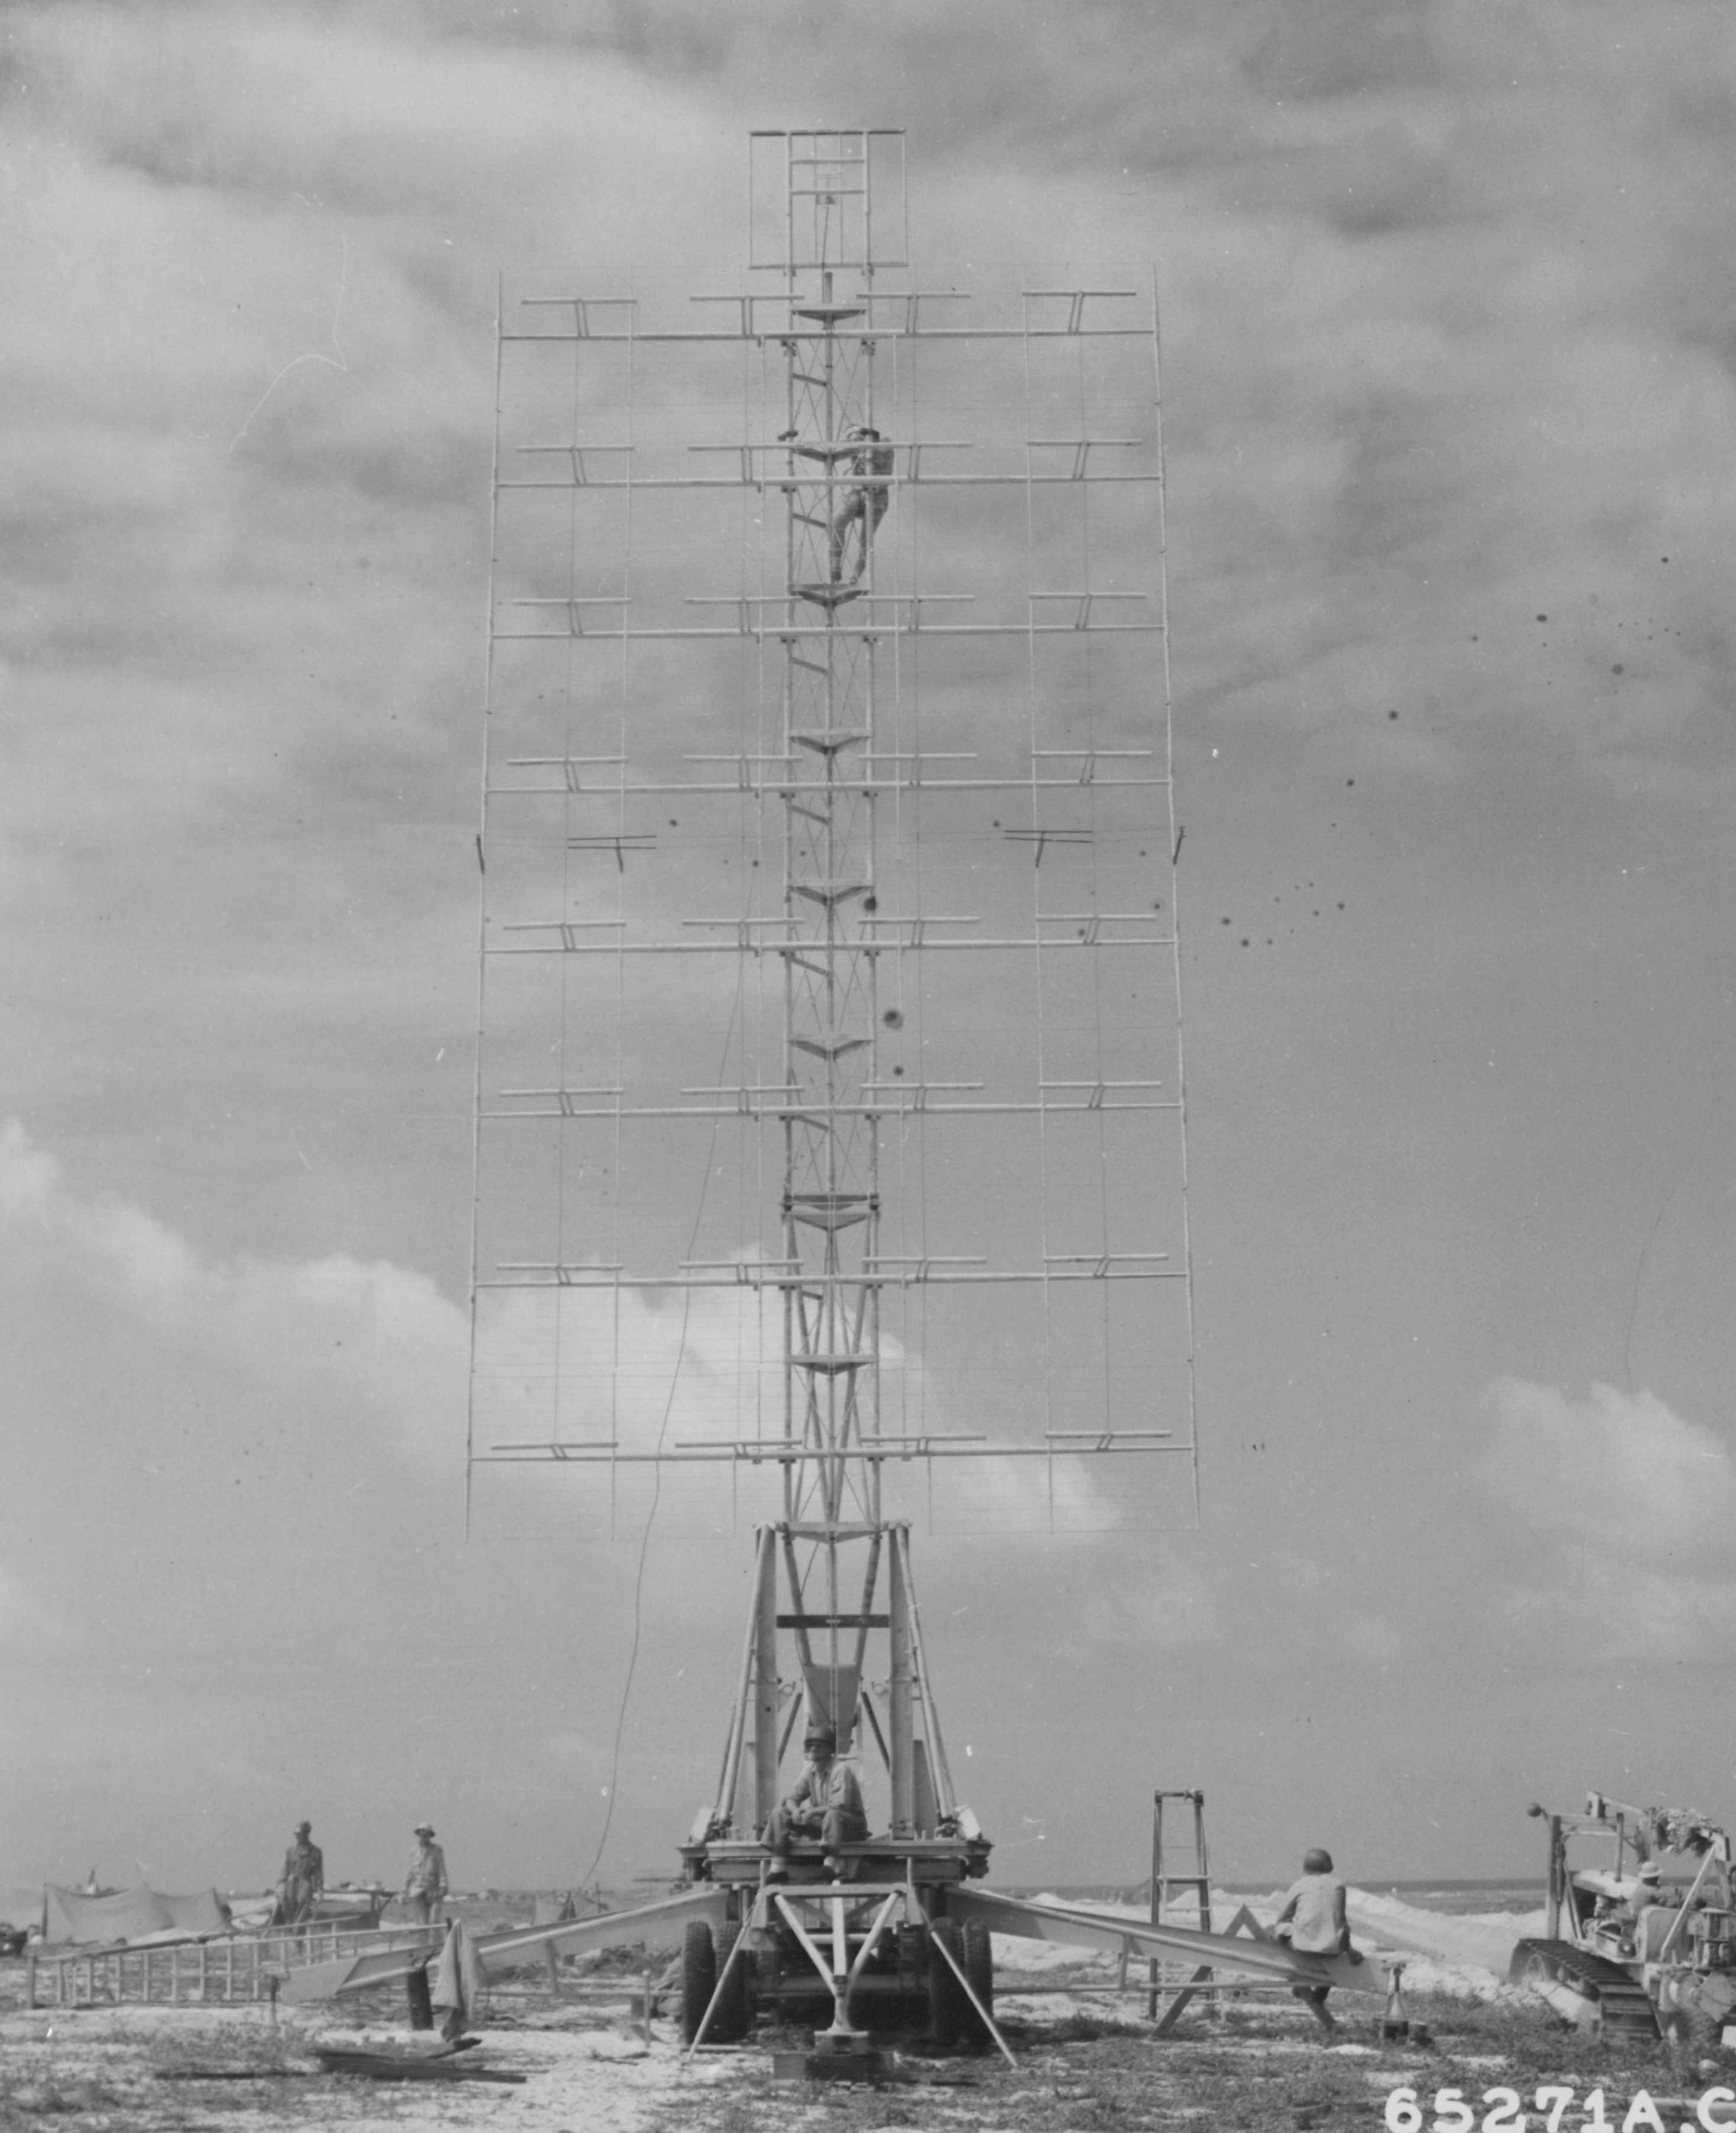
x=1640 y=1935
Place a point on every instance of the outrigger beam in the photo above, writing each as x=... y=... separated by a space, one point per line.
x=1079 y=1928
x=657 y=1924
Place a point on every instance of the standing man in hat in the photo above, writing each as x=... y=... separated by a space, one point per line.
x=826 y=1804
x=425 y=1884
x=302 y=1880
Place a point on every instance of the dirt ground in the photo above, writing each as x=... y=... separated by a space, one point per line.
x=1085 y=2061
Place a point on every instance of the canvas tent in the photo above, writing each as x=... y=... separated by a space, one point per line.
x=130 y=1914
x=20 y=1906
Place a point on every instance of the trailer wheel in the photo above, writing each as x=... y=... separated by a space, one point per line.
x=734 y=2015
x=949 y=2009
x=979 y=1967
x=703 y=1961
x=768 y=1971
x=698 y=1977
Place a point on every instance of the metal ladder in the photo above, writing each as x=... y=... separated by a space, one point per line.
x=1195 y=1875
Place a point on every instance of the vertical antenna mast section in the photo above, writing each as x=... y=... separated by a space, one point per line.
x=831 y=1198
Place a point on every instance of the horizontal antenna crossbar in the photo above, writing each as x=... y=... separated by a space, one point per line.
x=777 y=1451
x=593 y=1277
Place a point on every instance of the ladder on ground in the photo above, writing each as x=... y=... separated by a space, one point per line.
x=1177 y=1869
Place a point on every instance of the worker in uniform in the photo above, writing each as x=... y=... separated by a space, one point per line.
x=425 y=1884
x=826 y=1804
x=1313 y=1921
x=302 y=1880
x=1646 y=1892
x=865 y=504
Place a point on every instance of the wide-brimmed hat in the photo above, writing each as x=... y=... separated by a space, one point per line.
x=304 y=1829
x=425 y=1829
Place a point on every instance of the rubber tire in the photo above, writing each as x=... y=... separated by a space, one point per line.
x=698 y=1977
x=1690 y=2030
x=734 y=2015
x=949 y=2009
x=979 y=1967
x=767 y=1974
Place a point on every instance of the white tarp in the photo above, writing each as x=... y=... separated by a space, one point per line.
x=70 y=1918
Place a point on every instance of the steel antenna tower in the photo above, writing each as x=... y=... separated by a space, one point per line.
x=940 y=1132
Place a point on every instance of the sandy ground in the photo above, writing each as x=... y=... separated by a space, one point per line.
x=584 y=2067
x=588 y=2069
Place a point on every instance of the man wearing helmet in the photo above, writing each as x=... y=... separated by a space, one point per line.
x=1313 y=1921
x=826 y=1804
x=864 y=504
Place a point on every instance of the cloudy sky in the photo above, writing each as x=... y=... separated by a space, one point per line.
x=1450 y=406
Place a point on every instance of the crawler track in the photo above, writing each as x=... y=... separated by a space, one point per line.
x=1624 y=2009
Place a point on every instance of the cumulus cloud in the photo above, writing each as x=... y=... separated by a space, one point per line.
x=1626 y=1509
x=1446 y=327
x=692 y=1375
x=381 y=1338
x=1617 y=1468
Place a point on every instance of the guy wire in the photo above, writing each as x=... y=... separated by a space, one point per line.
x=657 y=1470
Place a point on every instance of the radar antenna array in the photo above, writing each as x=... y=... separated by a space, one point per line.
x=829 y=880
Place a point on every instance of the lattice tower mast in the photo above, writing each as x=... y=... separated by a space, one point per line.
x=830 y=1202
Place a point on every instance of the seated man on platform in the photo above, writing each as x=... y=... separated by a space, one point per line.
x=1315 y=1921
x=826 y=1804
x=1645 y=1895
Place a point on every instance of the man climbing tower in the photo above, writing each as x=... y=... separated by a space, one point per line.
x=864 y=504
